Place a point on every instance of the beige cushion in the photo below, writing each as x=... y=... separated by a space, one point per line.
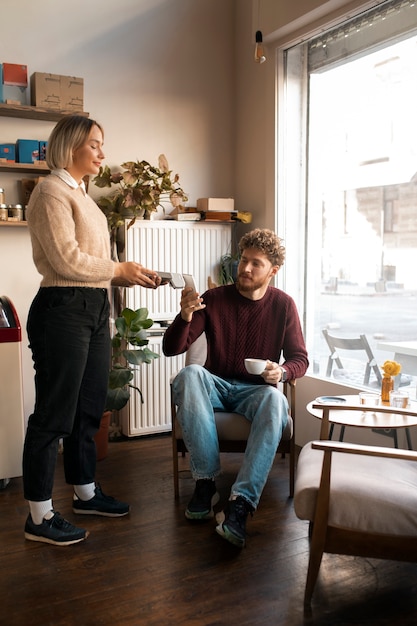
x=197 y=352
x=370 y=494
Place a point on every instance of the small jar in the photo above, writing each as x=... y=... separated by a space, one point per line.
x=16 y=212
x=2 y=196
x=4 y=213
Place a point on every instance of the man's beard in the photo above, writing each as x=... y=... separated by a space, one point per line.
x=250 y=286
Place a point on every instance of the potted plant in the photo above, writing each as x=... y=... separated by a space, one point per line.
x=140 y=189
x=228 y=269
x=131 y=329
x=129 y=352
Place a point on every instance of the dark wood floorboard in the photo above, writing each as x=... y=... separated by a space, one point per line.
x=156 y=568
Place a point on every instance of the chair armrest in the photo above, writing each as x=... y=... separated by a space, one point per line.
x=351 y=448
x=289 y=392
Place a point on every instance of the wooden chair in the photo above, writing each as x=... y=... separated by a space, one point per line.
x=232 y=428
x=359 y=500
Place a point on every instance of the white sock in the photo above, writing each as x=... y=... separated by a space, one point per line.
x=40 y=510
x=85 y=492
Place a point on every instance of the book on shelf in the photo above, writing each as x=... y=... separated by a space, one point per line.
x=223 y=216
x=187 y=217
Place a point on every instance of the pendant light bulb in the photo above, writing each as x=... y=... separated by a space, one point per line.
x=260 y=56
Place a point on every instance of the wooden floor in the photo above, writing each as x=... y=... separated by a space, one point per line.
x=154 y=567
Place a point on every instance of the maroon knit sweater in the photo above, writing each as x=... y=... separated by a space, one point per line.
x=238 y=328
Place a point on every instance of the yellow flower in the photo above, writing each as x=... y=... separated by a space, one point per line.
x=391 y=368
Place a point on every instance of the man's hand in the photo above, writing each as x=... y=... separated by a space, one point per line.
x=272 y=374
x=190 y=302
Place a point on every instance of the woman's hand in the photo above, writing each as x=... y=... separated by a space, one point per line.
x=189 y=303
x=129 y=274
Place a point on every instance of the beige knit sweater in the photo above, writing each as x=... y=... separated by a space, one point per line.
x=70 y=239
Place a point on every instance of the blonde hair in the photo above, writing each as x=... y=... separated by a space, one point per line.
x=69 y=134
x=267 y=242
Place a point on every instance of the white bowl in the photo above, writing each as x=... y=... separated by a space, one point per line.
x=255 y=366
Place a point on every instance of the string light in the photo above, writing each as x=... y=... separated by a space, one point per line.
x=260 y=56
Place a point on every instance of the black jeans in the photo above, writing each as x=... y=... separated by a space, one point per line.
x=68 y=329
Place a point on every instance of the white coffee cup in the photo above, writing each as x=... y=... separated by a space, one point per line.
x=255 y=366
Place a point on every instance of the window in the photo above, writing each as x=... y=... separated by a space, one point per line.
x=348 y=162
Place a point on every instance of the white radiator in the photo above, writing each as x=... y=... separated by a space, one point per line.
x=153 y=379
x=170 y=246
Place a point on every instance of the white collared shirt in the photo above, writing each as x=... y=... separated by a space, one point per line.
x=64 y=175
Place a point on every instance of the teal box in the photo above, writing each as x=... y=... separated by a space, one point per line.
x=27 y=151
x=7 y=152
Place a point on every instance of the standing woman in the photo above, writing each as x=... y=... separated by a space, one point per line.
x=68 y=330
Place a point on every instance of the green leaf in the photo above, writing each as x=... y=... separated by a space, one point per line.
x=137 y=357
x=119 y=377
x=117 y=398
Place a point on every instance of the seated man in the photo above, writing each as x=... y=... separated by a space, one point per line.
x=242 y=320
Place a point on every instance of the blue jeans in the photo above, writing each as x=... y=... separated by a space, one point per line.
x=197 y=394
x=68 y=329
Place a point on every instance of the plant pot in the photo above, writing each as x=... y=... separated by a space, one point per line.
x=102 y=436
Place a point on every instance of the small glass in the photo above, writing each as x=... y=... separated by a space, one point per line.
x=370 y=399
x=398 y=399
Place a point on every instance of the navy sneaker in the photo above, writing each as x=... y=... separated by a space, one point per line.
x=204 y=498
x=56 y=530
x=233 y=528
x=100 y=504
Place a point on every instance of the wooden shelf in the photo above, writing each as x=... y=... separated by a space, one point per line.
x=31 y=168
x=11 y=223
x=35 y=113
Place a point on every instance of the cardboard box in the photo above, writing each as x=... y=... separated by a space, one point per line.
x=215 y=204
x=27 y=151
x=45 y=90
x=27 y=185
x=7 y=152
x=72 y=93
x=54 y=91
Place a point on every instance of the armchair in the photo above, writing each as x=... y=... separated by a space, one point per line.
x=359 y=500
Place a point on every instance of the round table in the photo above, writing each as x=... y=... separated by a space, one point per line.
x=346 y=411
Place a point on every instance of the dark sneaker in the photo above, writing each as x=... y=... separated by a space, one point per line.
x=55 y=530
x=100 y=504
x=204 y=498
x=233 y=528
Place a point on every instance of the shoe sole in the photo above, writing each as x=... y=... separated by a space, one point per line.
x=41 y=539
x=95 y=512
x=204 y=514
x=230 y=537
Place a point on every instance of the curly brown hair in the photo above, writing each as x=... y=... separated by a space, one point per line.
x=267 y=242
